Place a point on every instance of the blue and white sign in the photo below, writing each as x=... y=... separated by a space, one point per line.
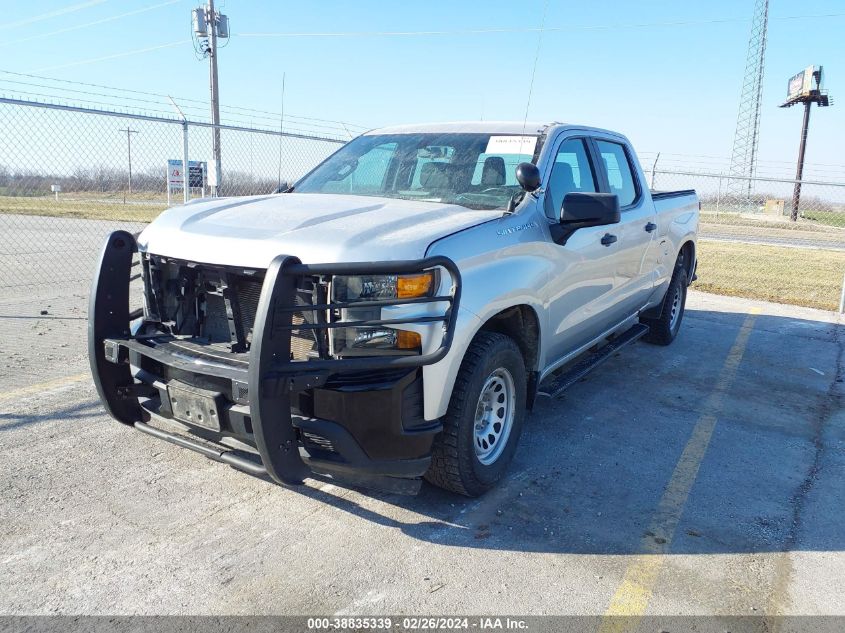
x=176 y=174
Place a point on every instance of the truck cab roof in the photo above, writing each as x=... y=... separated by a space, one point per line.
x=507 y=128
x=468 y=127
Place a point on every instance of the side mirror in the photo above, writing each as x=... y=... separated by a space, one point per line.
x=580 y=210
x=589 y=209
x=528 y=176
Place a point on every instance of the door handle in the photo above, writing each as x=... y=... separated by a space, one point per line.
x=608 y=239
x=650 y=227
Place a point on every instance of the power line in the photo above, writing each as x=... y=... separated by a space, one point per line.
x=52 y=14
x=87 y=24
x=115 y=56
x=549 y=29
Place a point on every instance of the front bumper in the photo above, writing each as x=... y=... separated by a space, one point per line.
x=358 y=420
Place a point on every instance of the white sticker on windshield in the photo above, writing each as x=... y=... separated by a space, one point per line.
x=511 y=145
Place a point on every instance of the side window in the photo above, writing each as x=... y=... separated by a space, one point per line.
x=571 y=171
x=620 y=175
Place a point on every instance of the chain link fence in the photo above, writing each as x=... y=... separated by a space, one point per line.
x=69 y=176
x=760 y=244
x=767 y=214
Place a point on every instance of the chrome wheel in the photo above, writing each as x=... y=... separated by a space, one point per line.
x=675 y=313
x=494 y=416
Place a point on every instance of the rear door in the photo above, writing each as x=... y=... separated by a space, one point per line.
x=634 y=248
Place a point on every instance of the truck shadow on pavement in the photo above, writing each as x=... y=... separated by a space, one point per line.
x=78 y=411
x=597 y=469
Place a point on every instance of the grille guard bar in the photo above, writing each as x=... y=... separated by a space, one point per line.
x=272 y=376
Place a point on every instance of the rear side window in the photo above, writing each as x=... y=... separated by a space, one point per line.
x=620 y=175
x=571 y=172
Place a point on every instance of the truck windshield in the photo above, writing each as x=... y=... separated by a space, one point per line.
x=471 y=170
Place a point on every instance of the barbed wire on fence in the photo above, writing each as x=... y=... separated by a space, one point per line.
x=42 y=88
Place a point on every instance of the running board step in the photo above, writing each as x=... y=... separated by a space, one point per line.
x=555 y=386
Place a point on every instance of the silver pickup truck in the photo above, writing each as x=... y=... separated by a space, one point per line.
x=395 y=313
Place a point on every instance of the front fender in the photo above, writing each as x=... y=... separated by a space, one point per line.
x=500 y=268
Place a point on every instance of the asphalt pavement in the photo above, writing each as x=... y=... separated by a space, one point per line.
x=700 y=478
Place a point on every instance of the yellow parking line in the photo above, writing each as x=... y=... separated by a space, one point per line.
x=632 y=596
x=44 y=386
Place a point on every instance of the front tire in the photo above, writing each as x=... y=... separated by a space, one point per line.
x=482 y=426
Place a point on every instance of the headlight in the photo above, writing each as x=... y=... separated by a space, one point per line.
x=378 y=340
x=378 y=287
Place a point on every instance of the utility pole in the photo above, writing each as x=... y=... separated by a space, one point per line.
x=215 y=95
x=209 y=25
x=805 y=87
x=129 y=134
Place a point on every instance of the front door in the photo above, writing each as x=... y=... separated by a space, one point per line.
x=582 y=282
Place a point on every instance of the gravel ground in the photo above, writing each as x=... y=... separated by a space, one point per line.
x=100 y=519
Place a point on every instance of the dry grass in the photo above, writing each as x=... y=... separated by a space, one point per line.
x=807 y=223
x=138 y=208
x=799 y=276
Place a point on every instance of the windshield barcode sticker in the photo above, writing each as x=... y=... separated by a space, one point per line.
x=511 y=145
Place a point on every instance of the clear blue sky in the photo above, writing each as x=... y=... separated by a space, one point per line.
x=673 y=89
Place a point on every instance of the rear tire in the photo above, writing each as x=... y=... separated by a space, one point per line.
x=664 y=329
x=482 y=426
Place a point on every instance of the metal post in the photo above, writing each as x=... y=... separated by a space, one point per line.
x=842 y=296
x=654 y=169
x=215 y=94
x=719 y=196
x=796 y=194
x=186 y=170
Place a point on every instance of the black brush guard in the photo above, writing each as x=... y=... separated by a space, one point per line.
x=272 y=377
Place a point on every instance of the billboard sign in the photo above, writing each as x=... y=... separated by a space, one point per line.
x=805 y=82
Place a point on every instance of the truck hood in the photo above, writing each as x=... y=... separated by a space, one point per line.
x=316 y=228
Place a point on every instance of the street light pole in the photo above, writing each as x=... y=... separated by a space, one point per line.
x=129 y=134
